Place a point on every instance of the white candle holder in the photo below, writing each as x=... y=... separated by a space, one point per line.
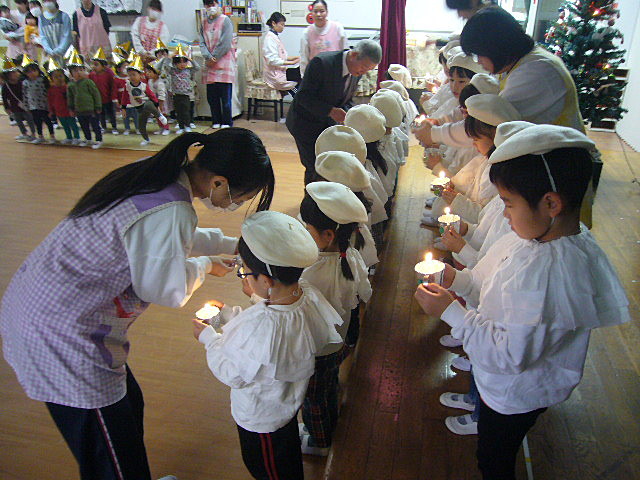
x=430 y=267
x=448 y=220
x=209 y=314
x=439 y=185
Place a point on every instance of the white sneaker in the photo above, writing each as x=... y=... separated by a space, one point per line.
x=96 y=145
x=82 y=143
x=215 y=125
x=308 y=450
x=179 y=131
x=225 y=126
x=166 y=131
x=302 y=430
x=22 y=137
x=456 y=400
x=102 y=130
x=144 y=143
x=461 y=363
x=163 y=120
x=429 y=202
x=52 y=140
x=37 y=141
x=462 y=425
x=172 y=120
x=149 y=120
x=157 y=132
x=188 y=129
x=169 y=477
x=66 y=141
x=56 y=126
x=115 y=132
x=127 y=132
x=450 y=341
x=193 y=125
x=75 y=141
x=283 y=120
x=13 y=123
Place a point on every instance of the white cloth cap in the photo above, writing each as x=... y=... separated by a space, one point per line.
x=344 y=139
x=337 y=202
x=390 y=105
x=280 y=240
x=491 y=109
x=368 y=121
x=485 y=83
x=446 y=50
x=518 y=140
x=344 y=168
x=400 y=73
x=396 y=86
x=465 y=61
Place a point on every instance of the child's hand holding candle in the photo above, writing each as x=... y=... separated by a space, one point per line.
x=453 y=240
x=430 y=269
x=439 y=184
x=449 y=221
x=449 y=194
x=433 y=299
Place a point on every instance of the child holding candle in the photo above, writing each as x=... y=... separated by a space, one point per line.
x=545 y=292
x=266 y=353
x=331 y=213
x=431 y=101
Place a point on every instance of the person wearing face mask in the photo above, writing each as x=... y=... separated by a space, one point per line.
x=323 y=35
x=16 y=46
x=55 y=30
x=91 y=27
x=131 y=240
x=146 y=31
x=216 y=38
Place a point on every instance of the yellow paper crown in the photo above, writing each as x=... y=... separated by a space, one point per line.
x=181 y=53
x=160 y=46
x=137 y=64
x=70 y=51
x=53 y=66
x=116 y=59
x=26 y=61
x=126 y=46
x=8 y=65
x=75 y=60
x=132 y=55
x=155 y=66
x=100 y=55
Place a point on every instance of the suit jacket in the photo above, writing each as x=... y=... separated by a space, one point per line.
x=322 y=89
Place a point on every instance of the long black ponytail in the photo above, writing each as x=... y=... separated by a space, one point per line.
x=311 y=214
x=376 y=157
x=234 y=153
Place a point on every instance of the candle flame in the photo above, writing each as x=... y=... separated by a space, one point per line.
x=441 y=174
x=207 y=311
x=447 y=211
x=428 y=257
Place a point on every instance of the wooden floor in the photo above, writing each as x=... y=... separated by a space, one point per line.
x=392 y=424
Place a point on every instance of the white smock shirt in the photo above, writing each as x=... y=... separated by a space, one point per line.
x=368 y=251
x=166 y=252
x=473 y=180
x=343 y=294
x=443 y=94
x=389 y=151
x=266 y=354
x=528 y=338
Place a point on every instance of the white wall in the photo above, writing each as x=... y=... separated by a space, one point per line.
x=627 y=128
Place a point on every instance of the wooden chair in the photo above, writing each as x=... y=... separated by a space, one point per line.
x=257 y=91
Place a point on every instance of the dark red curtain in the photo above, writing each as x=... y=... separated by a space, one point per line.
x=393 y=36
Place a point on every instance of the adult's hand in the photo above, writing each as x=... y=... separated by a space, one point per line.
x=433 y=299
x=211 y=62
x=338 y=115
x=221 y=266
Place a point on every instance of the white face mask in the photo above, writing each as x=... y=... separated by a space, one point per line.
x=154 y=14
x=213 y=11
x=36 y=11
x=231 y=208
x=49 y=6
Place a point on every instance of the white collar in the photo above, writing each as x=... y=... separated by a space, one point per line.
x=183 y=179
x=323 y=30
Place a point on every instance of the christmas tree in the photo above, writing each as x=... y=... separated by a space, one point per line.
x=585 y=39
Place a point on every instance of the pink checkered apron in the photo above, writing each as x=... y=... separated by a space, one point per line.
x=330 y=41
x=276 y=76
x=92 y=33
x=65 y=315
x=224 y=71
x=149 y=33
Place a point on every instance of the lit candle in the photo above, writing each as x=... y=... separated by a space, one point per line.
x=419 y=121
x=449 y=220
x=439 y=184
x=208 y=313
x=430 y=267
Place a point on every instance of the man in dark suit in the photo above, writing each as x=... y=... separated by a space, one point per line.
x=329 y=83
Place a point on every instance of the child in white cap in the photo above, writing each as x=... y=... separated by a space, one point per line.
x=471 y=188
x=347 y=139
x=528 y=337
x=331 y=213
x=345 y=168
x=266 y=353
x=433 y=99
x=410 y=109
